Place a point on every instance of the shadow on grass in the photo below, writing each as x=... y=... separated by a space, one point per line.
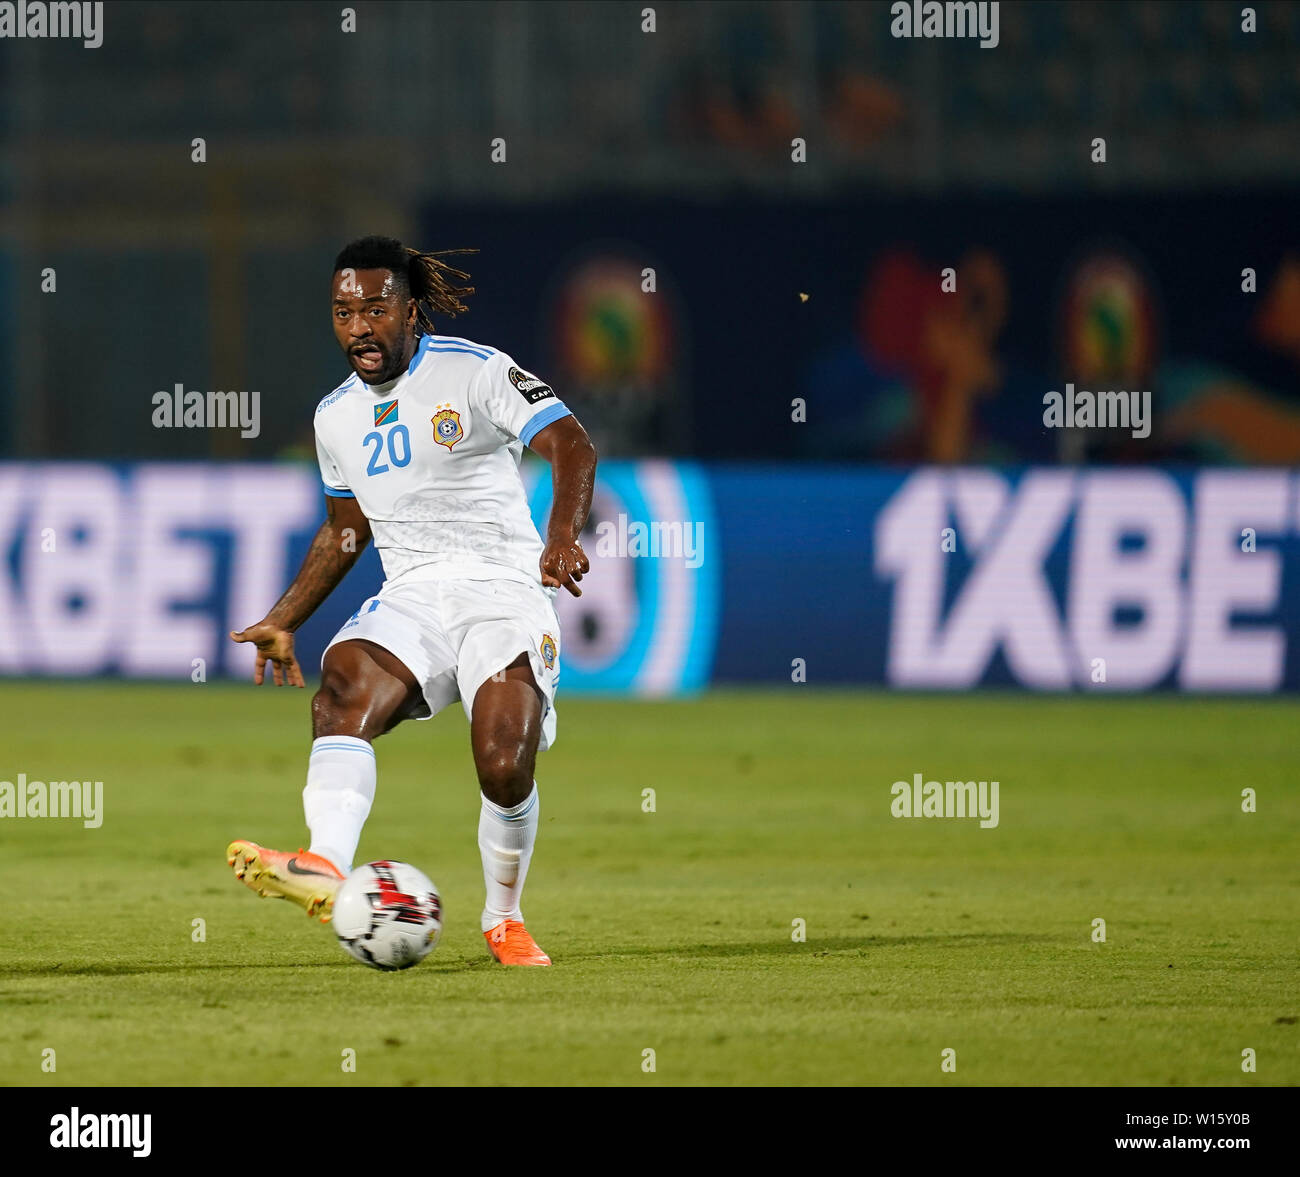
x=142 y=969
x=815 y=948
x=820 y=946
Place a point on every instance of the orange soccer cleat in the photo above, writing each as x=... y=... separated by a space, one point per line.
x=306 y=878
x=510 y=943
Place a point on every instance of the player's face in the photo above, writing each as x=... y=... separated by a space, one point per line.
x=374 y=323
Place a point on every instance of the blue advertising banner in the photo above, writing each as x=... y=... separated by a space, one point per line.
x=1050 y=579
x=1044 y=578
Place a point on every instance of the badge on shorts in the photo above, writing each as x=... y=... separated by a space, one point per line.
x=548 y=651
x=446 y=426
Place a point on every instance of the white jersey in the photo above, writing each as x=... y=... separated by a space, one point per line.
x=432 y=459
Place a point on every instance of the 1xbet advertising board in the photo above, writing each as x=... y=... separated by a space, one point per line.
x=1047 y=579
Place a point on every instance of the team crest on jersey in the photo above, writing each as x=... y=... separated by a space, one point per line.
x=446 y=426
x=548 y=651
x=386 y=413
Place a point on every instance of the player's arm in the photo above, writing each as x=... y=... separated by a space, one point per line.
x=565 y=445
x=338 y=543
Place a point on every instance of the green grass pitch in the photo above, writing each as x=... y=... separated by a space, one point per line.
x=671 y=931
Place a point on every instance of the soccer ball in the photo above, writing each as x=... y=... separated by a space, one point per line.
x=388 y=915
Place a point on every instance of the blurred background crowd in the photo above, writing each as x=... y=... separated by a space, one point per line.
x=1173 y=266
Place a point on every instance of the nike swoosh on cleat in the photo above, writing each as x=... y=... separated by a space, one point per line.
x=294 y=869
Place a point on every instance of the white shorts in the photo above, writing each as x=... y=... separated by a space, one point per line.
x=453 y=635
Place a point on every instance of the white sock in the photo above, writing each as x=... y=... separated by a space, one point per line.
x=505 y=840
x=336 y=800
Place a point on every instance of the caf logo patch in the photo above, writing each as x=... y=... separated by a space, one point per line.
x=548 y=651
x=446 y=426
x=530 y=388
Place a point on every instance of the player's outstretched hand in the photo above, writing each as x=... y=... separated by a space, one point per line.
x=562 y=564
x=276 y=646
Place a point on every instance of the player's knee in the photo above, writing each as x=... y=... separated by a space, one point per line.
x=338 y=706
x=505 y=774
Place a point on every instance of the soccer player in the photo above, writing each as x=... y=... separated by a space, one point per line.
x=419 y=449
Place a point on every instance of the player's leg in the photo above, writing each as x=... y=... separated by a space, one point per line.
x=505 y=728
x=365 y=691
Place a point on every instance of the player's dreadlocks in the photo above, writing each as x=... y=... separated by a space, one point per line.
x=426 y=278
